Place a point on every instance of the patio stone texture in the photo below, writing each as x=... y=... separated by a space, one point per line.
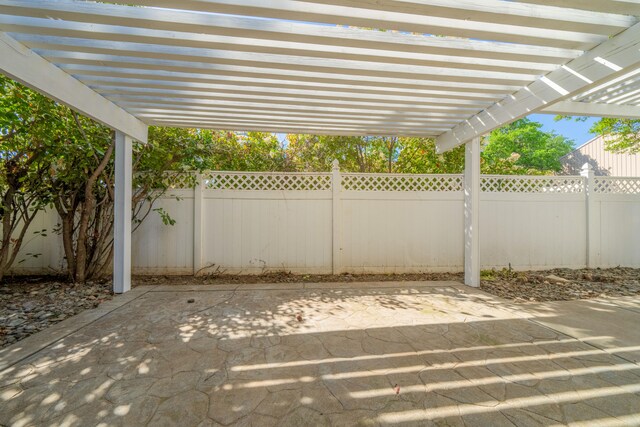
x=327 y=354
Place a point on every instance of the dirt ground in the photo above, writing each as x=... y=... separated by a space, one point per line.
x=561 y=284
x=31 y=304
x=292 y=278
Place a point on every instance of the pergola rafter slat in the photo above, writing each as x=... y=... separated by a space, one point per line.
x=372 y=52
x=537 y=31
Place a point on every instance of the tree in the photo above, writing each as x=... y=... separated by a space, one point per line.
x=316 y=152
x=52 y=156
x=623 y=135
x=24 y=138
x=418 y=155
x=535 y=149
x=83 y=185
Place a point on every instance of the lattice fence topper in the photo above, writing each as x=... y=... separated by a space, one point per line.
x=614 y=185
x=181 y=180
x=261 y=181
x=174 y=180
x=389 y=182
x=531 y=184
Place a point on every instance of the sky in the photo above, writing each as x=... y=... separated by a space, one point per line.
x=576 y=131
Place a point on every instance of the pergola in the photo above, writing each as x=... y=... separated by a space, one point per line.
x=451 y=70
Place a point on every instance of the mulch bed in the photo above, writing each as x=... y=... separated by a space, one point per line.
x=282 y=277
x=31 y=304
x=561 y=284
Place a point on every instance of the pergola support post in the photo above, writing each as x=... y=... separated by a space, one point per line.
x=336 y=186
x=472 y=213
x=122 y=215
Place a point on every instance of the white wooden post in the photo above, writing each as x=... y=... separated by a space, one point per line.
x=122 y=215
x=472 y=213
x=198 y=195
x=336 y=186
x=592 y=219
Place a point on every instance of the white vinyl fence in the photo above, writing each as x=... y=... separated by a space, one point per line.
x=245 y=223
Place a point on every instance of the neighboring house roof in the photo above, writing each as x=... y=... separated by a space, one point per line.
x=604 y=163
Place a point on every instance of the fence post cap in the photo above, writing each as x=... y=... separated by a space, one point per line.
x=587 y=171
x=335 y=165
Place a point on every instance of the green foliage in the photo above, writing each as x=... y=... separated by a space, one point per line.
x=623 y=134
x=24 y=139
x=52 y=156
x=199 y=149
x=535 y=149
x=316 y=152
x=371 y=154
x=164 y=215
x=520 y=148
x=418 y=155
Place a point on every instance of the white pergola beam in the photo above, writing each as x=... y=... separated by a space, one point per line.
x=134 y=95
x=273 y=125
x=317 y=130
x=612 y=58
x=70 y=59
x=23 y=65
x=241 y=108
x=266 y=115
x=572 y=108
x=293 y=95
x=87 y=73
x=274 y=118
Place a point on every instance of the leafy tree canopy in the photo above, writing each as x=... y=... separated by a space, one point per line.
x=531 y=147
x=623 y=134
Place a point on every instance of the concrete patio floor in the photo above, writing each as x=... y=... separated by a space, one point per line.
x=362 y=354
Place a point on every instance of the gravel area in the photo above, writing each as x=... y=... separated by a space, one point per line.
x=31 y=304
x=561 y=284
x=291 y=278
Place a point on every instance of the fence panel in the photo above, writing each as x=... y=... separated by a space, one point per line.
x=617 y=209
x=242 y=222
x=162 y=249
x=260 y=222
x=401 y=223
x=532 y=222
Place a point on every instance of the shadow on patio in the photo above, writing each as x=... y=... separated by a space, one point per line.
x=359 y=356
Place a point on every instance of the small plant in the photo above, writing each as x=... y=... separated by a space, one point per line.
x=165 y=217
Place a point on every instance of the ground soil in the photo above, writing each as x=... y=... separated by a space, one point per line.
x=561 y=284
x=31 y=304
x=283 y=277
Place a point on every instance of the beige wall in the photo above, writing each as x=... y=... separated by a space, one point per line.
x=605 y=163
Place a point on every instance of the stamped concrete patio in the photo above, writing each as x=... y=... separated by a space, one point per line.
x=328 y=354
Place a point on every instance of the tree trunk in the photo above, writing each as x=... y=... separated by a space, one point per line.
x=67 y=240
x=7 y=230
